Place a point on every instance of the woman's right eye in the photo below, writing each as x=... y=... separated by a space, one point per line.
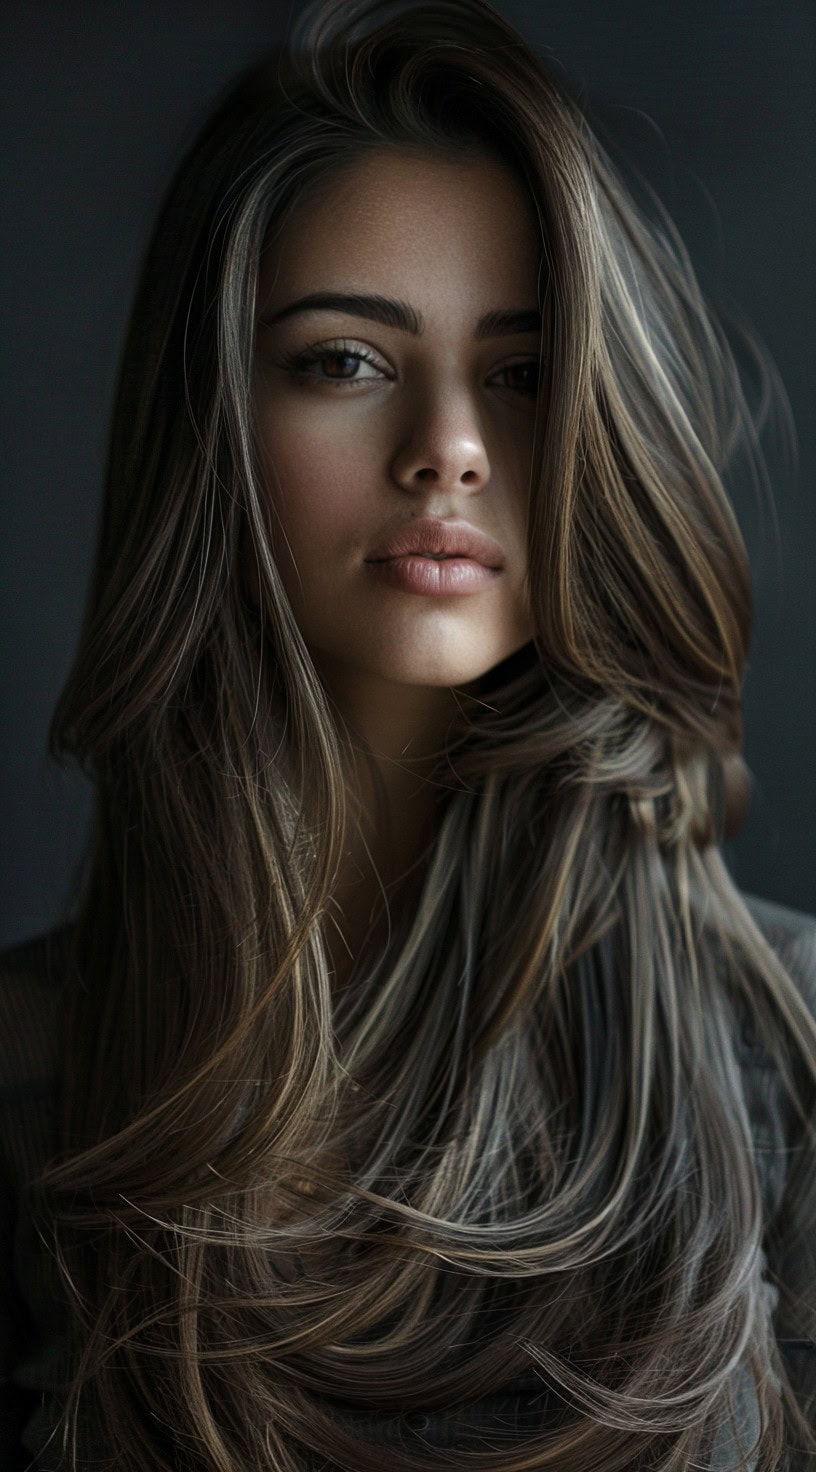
x=336 y=360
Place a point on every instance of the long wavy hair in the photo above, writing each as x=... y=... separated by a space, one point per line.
x=520 y=1139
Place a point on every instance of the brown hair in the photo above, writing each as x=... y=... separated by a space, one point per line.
x=520 y=1138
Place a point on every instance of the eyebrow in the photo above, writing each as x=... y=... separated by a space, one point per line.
x=393 y=313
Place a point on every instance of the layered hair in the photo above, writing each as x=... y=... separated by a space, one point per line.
x=520 y=1138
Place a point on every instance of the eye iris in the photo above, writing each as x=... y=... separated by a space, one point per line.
x=339 y=358
x=529 y=375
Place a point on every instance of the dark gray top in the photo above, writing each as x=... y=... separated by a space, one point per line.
x=34 y=1327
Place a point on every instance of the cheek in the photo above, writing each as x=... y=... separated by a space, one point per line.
x=316 y=476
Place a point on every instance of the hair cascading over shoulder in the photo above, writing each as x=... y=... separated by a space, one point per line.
x=517 y=1140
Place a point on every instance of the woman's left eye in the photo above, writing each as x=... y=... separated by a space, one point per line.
x=530 y=368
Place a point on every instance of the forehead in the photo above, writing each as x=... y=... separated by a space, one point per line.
x=443 y=233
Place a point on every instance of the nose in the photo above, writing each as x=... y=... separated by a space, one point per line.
x=443 y=451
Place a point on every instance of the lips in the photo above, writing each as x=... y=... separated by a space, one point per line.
x=434 y=537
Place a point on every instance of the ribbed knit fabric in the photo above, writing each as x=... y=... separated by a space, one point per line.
x=34 y=1325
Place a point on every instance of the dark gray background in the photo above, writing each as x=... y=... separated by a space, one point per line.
x=714 y=102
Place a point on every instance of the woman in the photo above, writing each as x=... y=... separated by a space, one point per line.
x=419 y=1088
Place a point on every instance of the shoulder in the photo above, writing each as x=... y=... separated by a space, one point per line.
x=788 y=925
x=32 y=982
x=791 y=1243
x=792 y=934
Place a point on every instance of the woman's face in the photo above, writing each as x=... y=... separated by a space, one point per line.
x=368 y=425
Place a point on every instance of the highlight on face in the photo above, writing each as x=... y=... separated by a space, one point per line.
x=369 y=425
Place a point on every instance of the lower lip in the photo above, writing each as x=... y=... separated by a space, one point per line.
x=435 y=579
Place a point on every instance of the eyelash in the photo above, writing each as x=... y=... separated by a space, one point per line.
x=299 y=363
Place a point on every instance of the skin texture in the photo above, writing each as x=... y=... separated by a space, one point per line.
x=438 y=424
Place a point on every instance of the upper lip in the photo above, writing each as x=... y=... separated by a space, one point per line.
x=431 y=534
